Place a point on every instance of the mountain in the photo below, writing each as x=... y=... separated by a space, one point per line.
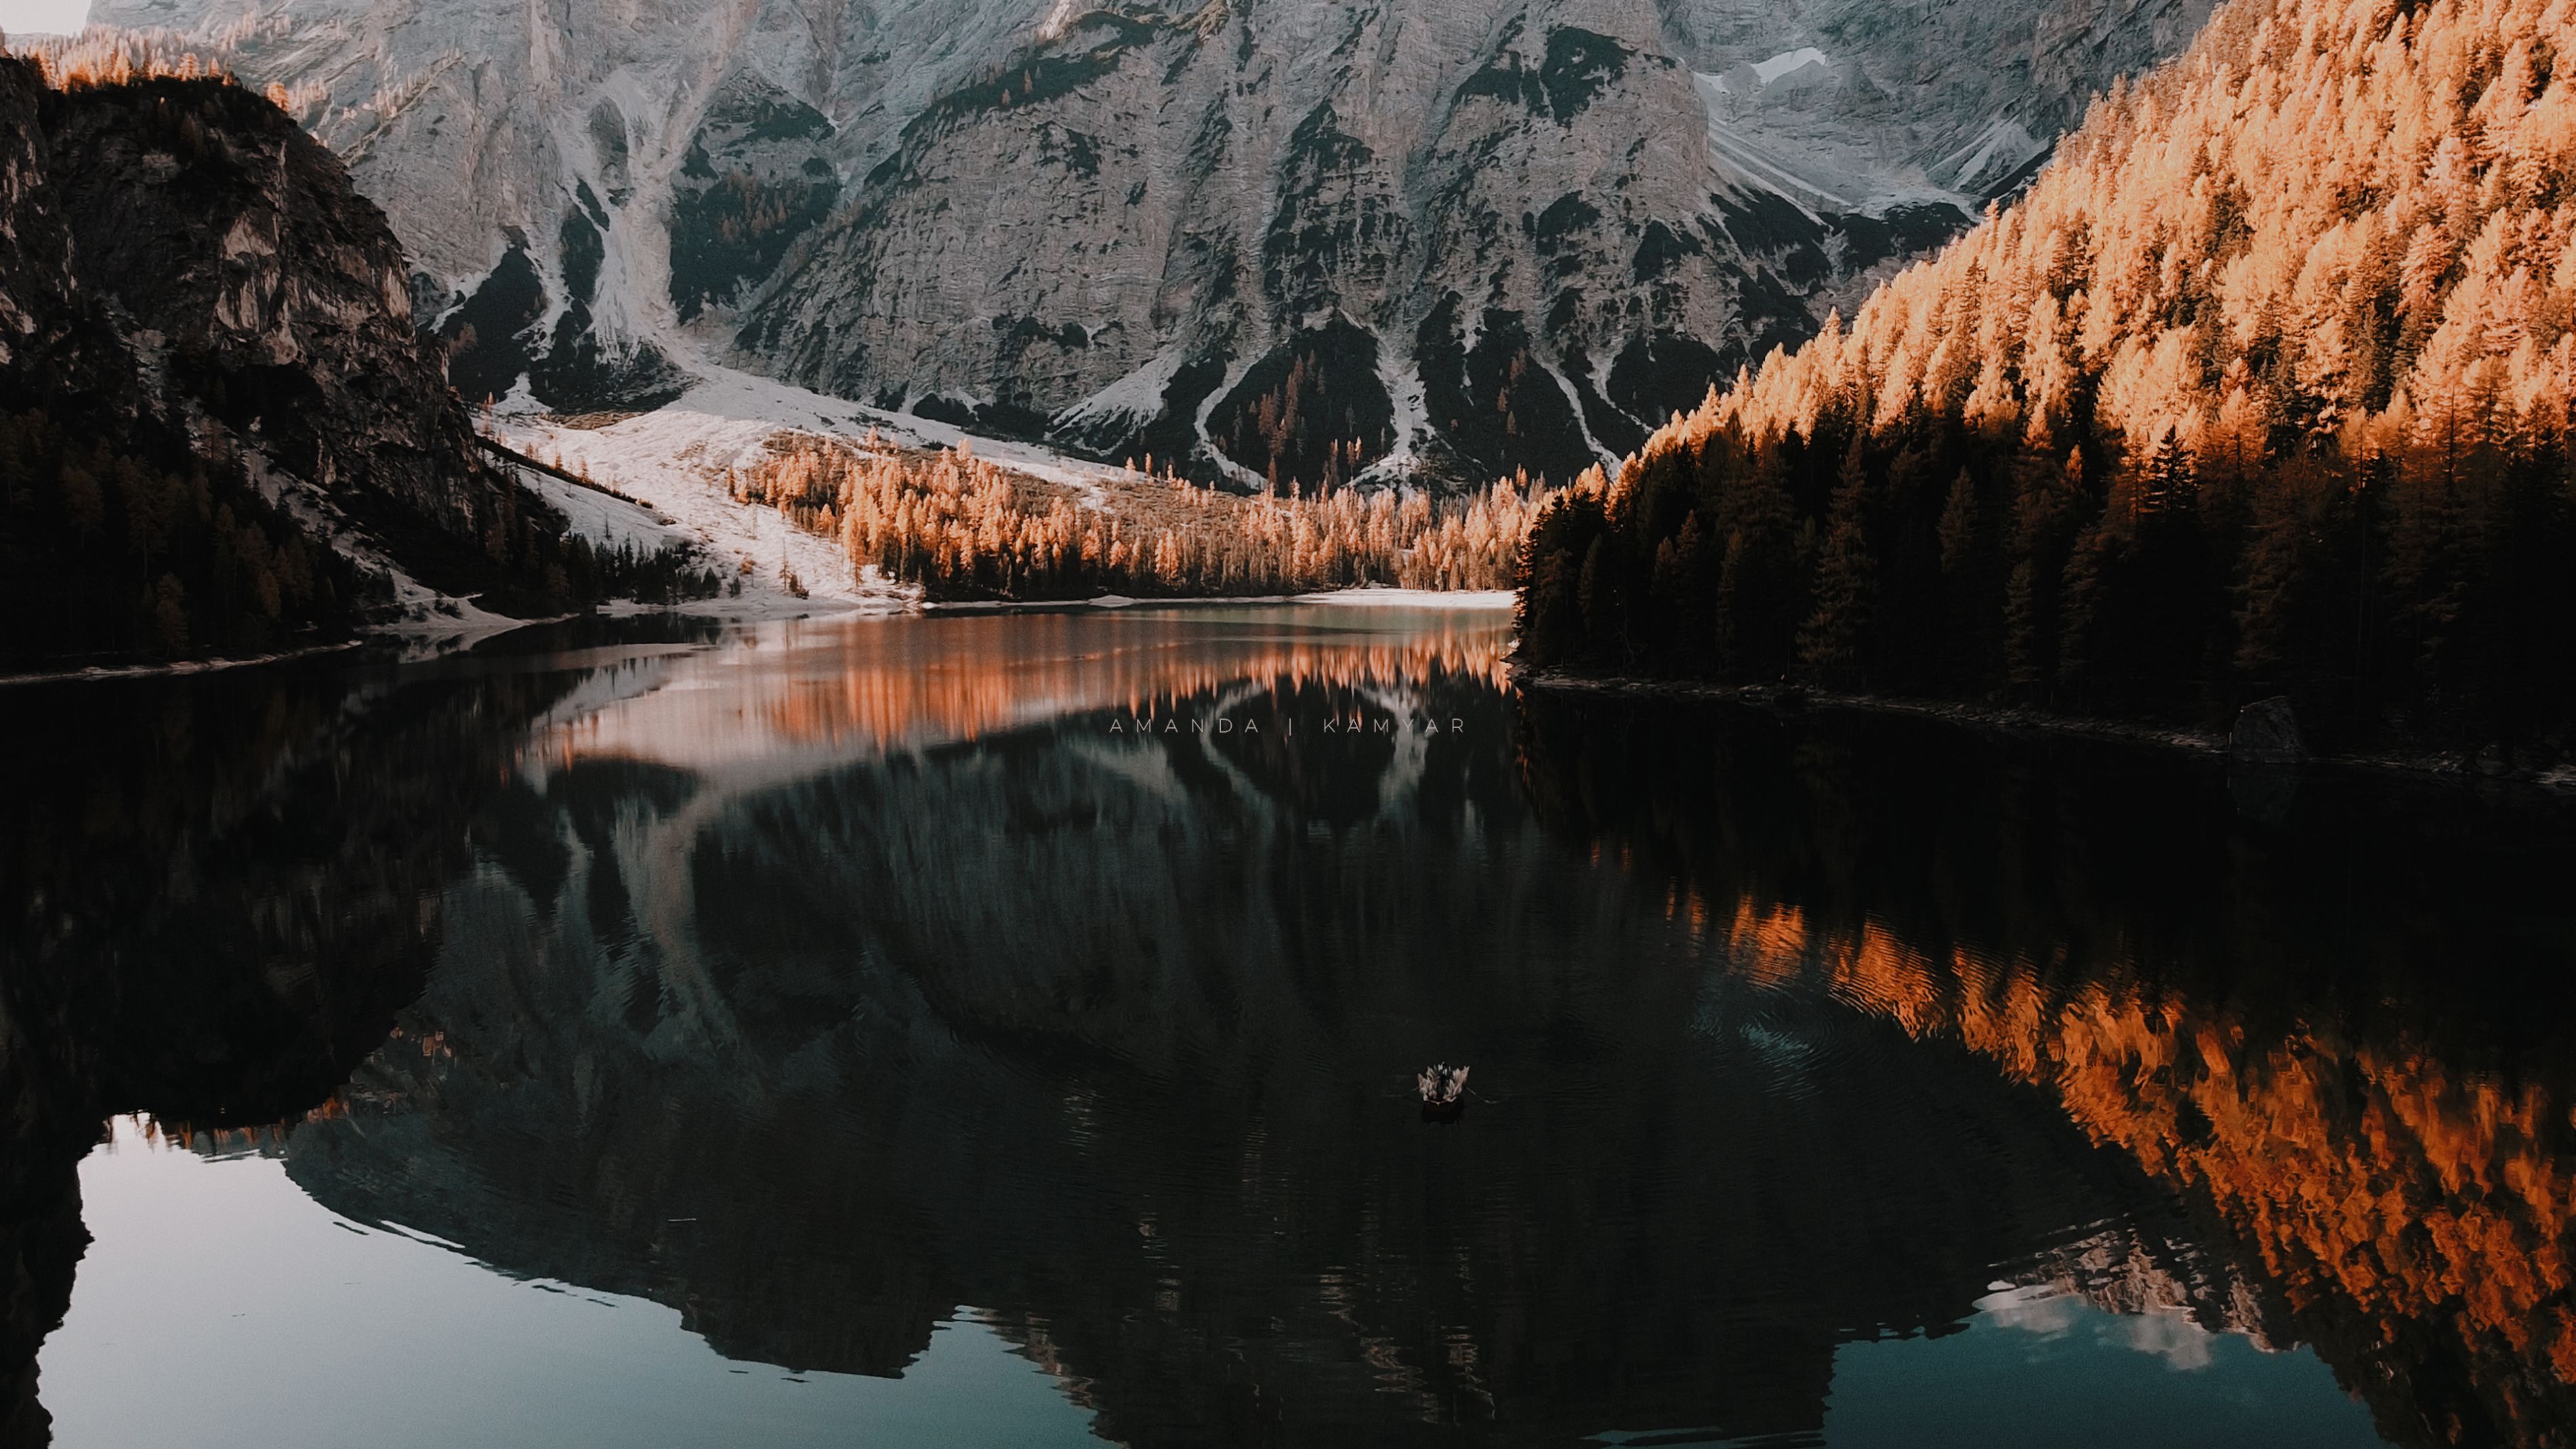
x=2262 y=390
x=1246 y=239
x=222 y=430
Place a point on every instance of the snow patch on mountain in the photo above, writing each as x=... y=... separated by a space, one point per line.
x=676 y=458
x=1805 y=65
x=1127 y=404
x=609 y=521
x=1749 y=163
x=1412 y=423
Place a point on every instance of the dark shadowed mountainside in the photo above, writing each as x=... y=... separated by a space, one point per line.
x=220 y=432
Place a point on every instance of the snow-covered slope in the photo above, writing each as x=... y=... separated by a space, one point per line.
x=1286 y=236
x=674 y=458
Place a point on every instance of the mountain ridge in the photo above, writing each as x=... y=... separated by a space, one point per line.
x=1121 y=228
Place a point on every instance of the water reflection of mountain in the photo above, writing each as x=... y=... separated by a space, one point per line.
x=1109 y=1034
x=818 y=989
x=223 y=890
x=2335 y=1013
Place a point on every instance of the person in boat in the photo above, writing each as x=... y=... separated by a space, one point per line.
x=1442 y=1085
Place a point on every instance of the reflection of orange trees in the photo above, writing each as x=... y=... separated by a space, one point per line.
x=968 y=528
x=1051 y=665
x=913 y=683
x=2370 y=1177
x=266 y=1138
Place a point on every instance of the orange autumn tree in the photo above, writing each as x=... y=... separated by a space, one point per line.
x=967 y=528
x=2263 y=387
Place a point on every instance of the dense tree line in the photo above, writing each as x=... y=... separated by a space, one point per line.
x=108 y=552
x=1311 y=417
x=966 y=528
x=666 y=575
x=114 y=552
x=2264 y=387
x=102 y=56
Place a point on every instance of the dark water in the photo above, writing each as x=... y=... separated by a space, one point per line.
x=866 y=1032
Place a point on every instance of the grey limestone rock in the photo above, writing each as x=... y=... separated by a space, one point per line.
x=1411 y=240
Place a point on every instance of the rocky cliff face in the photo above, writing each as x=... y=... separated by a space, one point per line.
x=56 y=333
x=1290 y=237
x=1457 y=237
x=268 y=294
x=186 y=273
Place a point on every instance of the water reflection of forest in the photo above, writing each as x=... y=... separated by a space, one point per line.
x=223 y=890
x=1797 y=1032
x=2331 y=1011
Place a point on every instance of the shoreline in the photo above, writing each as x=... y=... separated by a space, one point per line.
x=2557 y=783
x=107 y=673
x=414 y=645
x=1360 y=597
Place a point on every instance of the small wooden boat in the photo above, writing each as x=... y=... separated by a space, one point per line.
x=1444 y=1091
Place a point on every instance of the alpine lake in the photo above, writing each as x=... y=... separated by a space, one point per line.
x=1001 y=1029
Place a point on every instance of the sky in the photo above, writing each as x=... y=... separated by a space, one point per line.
x=52 y=17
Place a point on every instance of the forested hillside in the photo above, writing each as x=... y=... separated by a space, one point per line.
x=2262 y=388
x=220 y=431
x=126 y=550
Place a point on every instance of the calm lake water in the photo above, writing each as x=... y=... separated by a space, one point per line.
x=998 y=1030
